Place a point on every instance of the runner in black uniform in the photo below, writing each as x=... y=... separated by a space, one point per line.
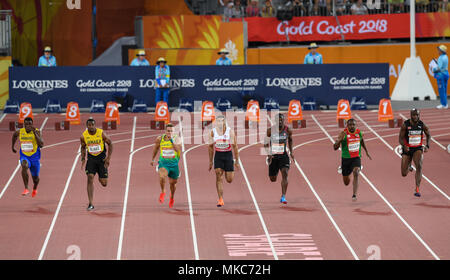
x=278 y=158
x=411 y=140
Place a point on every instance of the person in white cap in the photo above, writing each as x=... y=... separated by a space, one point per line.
x=47 y=60
x=313 y=57
x=441 y=75
x=140 y=59
x=223 y=59
x=162 y=77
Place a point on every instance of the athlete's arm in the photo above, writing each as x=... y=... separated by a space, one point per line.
x=83 y=152
x=176 y=141
x=211 y=150
x=363 y=144
x=235 y=149
x=427 y=133
x=401 y=138
x=14 y=140
x=39 y=140
x=108 y=141
x=155 y=149
x=291 y=150
x=339 y=140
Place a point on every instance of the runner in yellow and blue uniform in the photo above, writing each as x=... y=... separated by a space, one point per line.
x=169 y=147
x=31 y=143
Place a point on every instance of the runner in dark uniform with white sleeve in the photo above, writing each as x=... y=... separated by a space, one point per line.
x=411 y=140
x=278 y=137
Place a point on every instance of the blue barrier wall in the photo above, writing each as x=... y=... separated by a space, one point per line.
x=327 y=83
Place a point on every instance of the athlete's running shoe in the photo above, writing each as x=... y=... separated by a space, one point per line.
x=283 y=200
x=34 y=193
x=417 y=193
x=90 y=207
x=171 y=201
x=354 y=198
x=339 y=170
x=220 y=202
x=25 y=192
x=410 y=168
x=161 y=197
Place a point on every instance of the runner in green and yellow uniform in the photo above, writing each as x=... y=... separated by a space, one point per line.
x=169 y=147
x=351 y=140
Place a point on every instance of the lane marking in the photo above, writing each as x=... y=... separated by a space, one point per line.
x=400 y=156
x=127 y=186
x=383 y=198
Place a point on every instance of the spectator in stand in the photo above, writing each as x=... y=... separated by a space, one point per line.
x=239 y=10
x=140 y=59
x=300 y=8
x=253 y=9
x=162 y=76
x=441 y=76
x=358 y=8
x=423 y=6
x=313 y=57
x=47 y=60
x=223 y=59
x=228 y=11
x=222 y=5
x=340 y=7
x=322 y=8
x=396 y=6
x=268 y=10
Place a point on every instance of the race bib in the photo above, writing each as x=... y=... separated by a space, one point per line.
x=277 y=149
x=94 y=149
x=353 y=147
x=415 y=139
x=26 y=146
x=222 y=145
x=168 y=153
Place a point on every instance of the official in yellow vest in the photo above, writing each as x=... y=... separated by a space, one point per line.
x=31 y=143
x=169 y=147
x=93 y=143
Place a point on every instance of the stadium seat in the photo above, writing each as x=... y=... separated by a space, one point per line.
x=309 y=104
x=11 y=107
x=186 y=104
x=53 y=106
x=97 y=106
x=223 y=105
x=139 y=106
x=358 y=103
x=271 y=104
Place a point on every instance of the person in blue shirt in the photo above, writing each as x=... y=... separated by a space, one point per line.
x=162 y=76
x=47 y=60
x=313 y=57
x=441 y=75
x=140 y=60
x=223 y=59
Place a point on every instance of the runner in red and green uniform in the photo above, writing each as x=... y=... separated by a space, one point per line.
x=351 y=141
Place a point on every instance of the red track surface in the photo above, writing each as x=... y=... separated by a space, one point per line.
x=320 y=220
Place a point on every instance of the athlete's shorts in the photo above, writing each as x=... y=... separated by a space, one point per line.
x=279 y=162
x=96 y=165
x=33 y=164
x=224 y=161
x=412 y=150
x=173 y=172
x=348 y=164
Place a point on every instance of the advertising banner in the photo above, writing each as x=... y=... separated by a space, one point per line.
x=326 y=83
x=352 y=27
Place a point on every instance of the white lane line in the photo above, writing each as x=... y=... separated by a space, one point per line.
x=66 y=187
x=127 y=186
x=400 y=156
x=2 y=117
x=18 y=166
x=383 y=198
x=432 y=138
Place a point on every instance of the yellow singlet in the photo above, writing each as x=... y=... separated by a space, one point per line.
x=28 y=143
x=94 y=143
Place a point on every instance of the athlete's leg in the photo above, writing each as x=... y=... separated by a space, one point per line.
x=418 y=159
x=406 y=162
x=229 y=176
x=90 y=187
x=24 y=164
x=346 y=180
x=356 y=171
x=103 y=181
x=162 y=172
x=219 y=183
x=284 y=180
x=173 y=187
x=35 y=182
